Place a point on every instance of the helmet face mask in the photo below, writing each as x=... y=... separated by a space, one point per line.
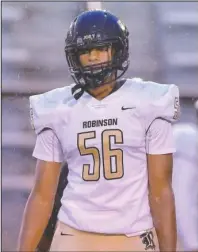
x=93 y=29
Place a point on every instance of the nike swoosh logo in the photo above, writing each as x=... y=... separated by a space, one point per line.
x=66 y=234
x=125 y=108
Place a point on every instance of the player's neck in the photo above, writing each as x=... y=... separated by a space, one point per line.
x=103 y=91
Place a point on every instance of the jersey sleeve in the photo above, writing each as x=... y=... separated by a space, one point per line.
x=42 y=112
x=159 y=138
x=160 y=101
x=45 y=113
x=185 y=173
x=45 y=108
x=48 y=147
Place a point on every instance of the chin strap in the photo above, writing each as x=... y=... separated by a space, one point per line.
x=77 y=91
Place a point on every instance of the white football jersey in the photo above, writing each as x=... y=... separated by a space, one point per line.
x=185 y=186
x=105 y=144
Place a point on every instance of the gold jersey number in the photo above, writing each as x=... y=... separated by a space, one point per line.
x=107 y=155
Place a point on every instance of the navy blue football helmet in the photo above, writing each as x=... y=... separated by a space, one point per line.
x=92 y=29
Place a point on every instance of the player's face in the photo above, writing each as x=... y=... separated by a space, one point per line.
x=95 y=56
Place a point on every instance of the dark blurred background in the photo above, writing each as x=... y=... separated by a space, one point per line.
x=163 y=48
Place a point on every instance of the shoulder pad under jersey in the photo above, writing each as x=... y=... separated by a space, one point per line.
x=157 y=100
x=43 y=107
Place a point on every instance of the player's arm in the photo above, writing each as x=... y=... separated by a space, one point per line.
x=47 y=237
x=39 y=205
x=159 y=157
x=41 y=200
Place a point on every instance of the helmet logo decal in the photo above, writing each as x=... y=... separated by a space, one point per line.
x=89 y=36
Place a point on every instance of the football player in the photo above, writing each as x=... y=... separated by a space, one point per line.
x=116 y=137
x=185 y=186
